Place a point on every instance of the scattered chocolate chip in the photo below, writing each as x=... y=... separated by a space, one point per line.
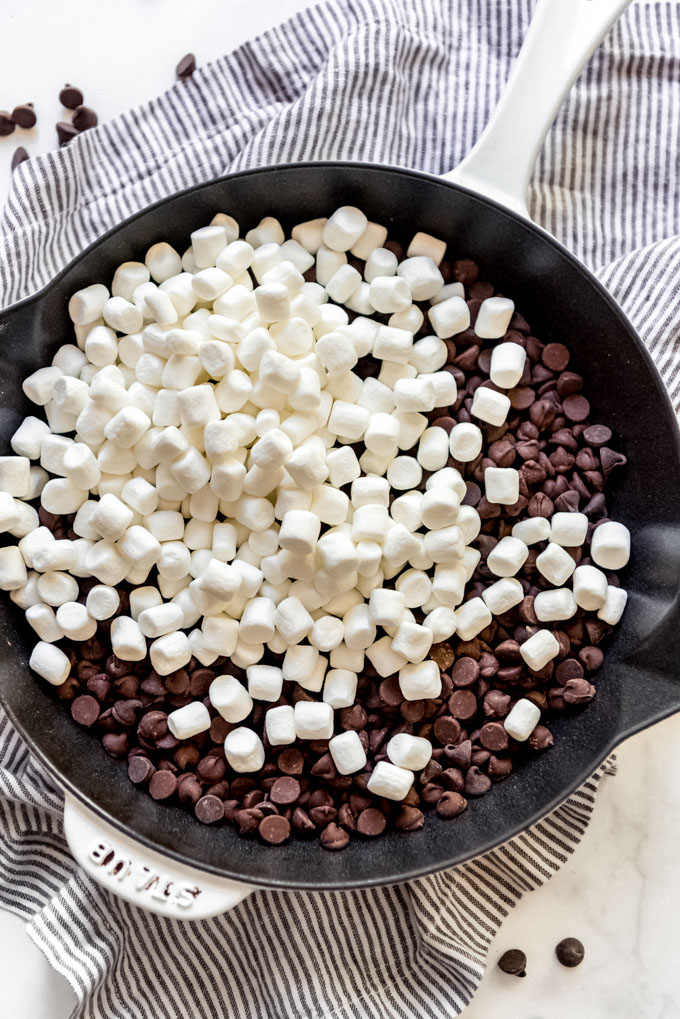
x=570 y=952
x=163 y=784
x=451 y=804
x=186 y=66
x=85 y=710
x=7 y=125
x=71 y=97
x=66 y=132
x=24 y=116
x=84 y=118
x=209 y=809
x=20 y=156
x=334 y=837
x=513 y=962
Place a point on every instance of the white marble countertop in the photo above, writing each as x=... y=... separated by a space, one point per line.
x=620 y=892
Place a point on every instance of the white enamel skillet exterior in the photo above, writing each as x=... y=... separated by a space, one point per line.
x=561 y=38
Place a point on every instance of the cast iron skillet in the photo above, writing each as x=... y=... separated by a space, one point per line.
x=639 y=682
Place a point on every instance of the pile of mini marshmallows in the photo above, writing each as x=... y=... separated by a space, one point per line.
x=213 y=423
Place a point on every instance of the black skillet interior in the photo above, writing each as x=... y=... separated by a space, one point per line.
x=638 y=684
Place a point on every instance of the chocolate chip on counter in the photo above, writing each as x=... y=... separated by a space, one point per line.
x=275 y=829
x=24 y=116
x=334 y=837
x=7 y=125
x=71 y=97
x=570 y=952
x=451 y=804
x=84 y=118
x=209 y=809
x=20 y=156
x=66 y=132
x=513 y=962
x=186 y=66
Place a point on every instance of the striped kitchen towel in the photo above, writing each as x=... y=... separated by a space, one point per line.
x=402 y=81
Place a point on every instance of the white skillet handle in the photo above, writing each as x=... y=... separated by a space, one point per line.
x=561 y=38
x=141 y=876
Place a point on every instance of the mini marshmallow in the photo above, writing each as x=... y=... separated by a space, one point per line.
x=444 y=545
x=280 y=725
x=494 y=317
x=404 y=473
x=165 y=525
x=568 y=529
x=590 y=588
x=13 y=574
x=42 y=618
x=614 y=605
x=503 y=595
x=347 y=752
x=439 y=507
x=376 y=396
x=127 y=640
x=102 y=601
x=27 y=519
x=337 y=553
x=122 y=315
x=160 y=619
x=27 y=596
x=433 y=449
x=162 y=261
x=390 y=781
x=309 y=234
x=507 y=365
x=188 y=721
x=522 y=719
x=411 y=752
x=472 y=617
x=292 y=620
x=415 y=586
x=420 y=681
x=384 y=659
x=555 y=564
x=39 y=386
x=490 y=406
x=28 y=439
x=348 y=420
x=426 y=244
x=344 y=228
x=313 y=720
x=10 y=512
x=86 y=305
x=81 y=466
x=386 y=607
x=449 y=317
x=101 y=347
x=340 y=687
x=442 y=622
x=507 y=557
x=170 y=653
x=14 y=475
x=75 y=621
x=53 y=555
x=265 y=682
x=533 y=530
x=393 y=345
x=111 y=518
x=610 y=545
x=243 y=750
x=370 y=523
x=540 y=649
x=405 y=509
x=330 y=505
x=50 y=662
x=299 y=531
x=207 y=244
x=230 y=698
x=257 y=621
x=422 y=275
x=70 y=394
x=412 y=641
x=501 y=485
x=301 y=665
x=550 y=606
x=198 y=405
x=326 y=633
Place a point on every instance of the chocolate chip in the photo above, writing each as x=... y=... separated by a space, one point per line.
x=211 y=769
x=463 y=705
x=578 y=691
x=186 y=66
x=66 y=132
x=85 y=710
x=70 y=97
x=371 y=822
x=555 y=356
x=7 y=125
x=465 y=672
x=163 y=784
x=451 y=804
x=570 y=952
x=409 y=819
x=447 y=729
x=24 y=116
x=333 y=837
x=84 y=118
x=20 y=156
x=285 y=791
x=275 y=829
x=493 y=736
x=576 y=408
x=541 y=738
x=209 y=809
x=592 y=658
x=476 y=782
x=513 y=962
x=140 y=769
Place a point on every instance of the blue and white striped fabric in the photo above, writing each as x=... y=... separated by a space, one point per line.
x=403 y=81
